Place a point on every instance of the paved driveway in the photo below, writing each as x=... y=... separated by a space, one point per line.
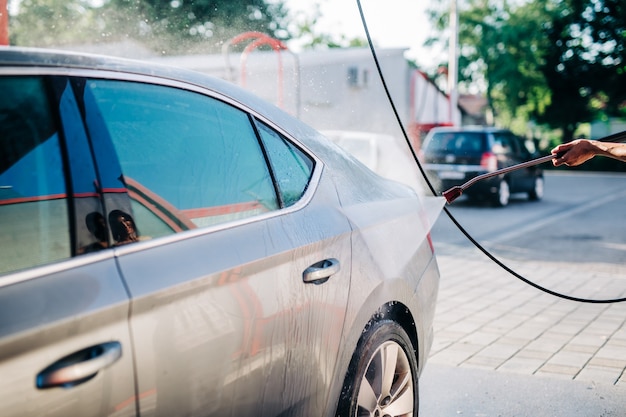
x=488 y=319
x=503 y=348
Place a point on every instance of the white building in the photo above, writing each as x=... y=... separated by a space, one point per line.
x=335 y=89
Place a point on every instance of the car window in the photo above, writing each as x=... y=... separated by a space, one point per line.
x=34 y=220
x=291 y=167
x=515 y=144
x=456 y=142
x=503 y=144
x=527 y=148
x=187 y=160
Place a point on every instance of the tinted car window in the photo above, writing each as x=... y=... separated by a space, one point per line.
x=528 y=148
x=34 y=220
x=291 y=167
x=457 y=142
x=504 y=144
x=188 y=160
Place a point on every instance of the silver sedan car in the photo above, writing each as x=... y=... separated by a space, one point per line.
x=172 y=245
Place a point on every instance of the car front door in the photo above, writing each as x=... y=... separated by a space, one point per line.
x=239 y=273
x=64 y=338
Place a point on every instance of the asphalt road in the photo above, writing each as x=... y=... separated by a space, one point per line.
x=579 y=228
x=580 y=204
x=448 y=391
x=581 y=220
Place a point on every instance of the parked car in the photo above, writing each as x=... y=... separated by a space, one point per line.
x=454 y=155
x=174 y=246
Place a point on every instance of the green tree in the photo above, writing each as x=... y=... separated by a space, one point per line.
x=165 y=25
x=558 y=62
x=499 y=48
x=203 y=22
x=609 y=34
x=522 y=86
x=53 y=22
x=585 y=67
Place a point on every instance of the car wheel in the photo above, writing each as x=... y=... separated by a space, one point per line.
x=503 y=194
x=537 y=192
x=382 y=376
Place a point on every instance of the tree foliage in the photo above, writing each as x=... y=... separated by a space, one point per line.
x=585 y=66
x=165 y=25
x=52 y=22
x=556 y=62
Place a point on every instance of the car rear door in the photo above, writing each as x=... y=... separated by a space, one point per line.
x=64 y=338
x=239 y=274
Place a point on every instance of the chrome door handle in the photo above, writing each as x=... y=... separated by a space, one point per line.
x=319 y=272
x=80 y=366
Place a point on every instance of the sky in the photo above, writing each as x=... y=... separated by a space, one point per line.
x=392 y=23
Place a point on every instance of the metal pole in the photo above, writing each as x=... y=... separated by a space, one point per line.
x=453 y=62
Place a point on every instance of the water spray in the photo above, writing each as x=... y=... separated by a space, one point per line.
x=617 y=137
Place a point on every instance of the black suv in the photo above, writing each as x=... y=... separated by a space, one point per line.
x=454 y=155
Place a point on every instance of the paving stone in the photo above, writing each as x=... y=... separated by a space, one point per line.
x=586 y=339
x=527 y=331
x=481 y=337
x=520 y=365
x=562 y=370
x=484 y=362
x=547 y=344
x=517 y=341
x=616 y=353
x=573 y=359
x=573 y=347
x=454 y=355
x=618 y=363
x=599 y=374
x=534 y=354
x=499 y=350
x=487 y=319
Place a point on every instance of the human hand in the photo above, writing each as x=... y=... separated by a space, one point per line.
x=573 y=153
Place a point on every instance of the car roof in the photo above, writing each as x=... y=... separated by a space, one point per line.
x=322 y=147
x=53 y=58
x=11 y=56
x=479 y=129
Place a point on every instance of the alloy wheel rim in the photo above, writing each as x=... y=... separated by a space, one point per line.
x=386 y=388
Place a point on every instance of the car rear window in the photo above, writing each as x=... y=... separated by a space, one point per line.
x=456 y=142
x=292 y=168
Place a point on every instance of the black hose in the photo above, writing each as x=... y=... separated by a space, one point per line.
x=434 y=192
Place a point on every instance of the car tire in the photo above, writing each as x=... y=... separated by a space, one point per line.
x=371 y=387
x=536 y=193
x=503 y=194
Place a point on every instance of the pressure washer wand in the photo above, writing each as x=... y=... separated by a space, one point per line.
x=456 y=191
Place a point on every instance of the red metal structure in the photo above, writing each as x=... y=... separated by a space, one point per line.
x=419 y=125
x=4 y=23
x=257 y=39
